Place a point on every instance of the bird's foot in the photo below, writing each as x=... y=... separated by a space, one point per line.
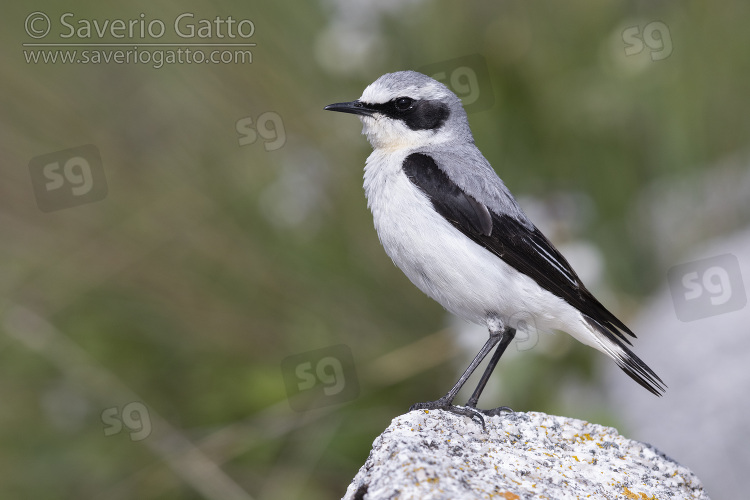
x=444 y=404
x=472 y=403
x=494 y=411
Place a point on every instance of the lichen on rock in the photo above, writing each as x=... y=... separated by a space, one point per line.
x=439 y=455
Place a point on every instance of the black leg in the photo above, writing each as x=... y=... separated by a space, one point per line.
x=507 y=337
x=446 y=402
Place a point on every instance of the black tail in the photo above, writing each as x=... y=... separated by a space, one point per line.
x=626 y=359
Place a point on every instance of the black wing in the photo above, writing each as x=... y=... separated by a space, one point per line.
x=528 y=251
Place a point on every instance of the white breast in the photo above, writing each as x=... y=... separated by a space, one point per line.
x=463 y=277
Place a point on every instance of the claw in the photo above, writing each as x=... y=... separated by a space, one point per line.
x=440 y=404
x=496 y=411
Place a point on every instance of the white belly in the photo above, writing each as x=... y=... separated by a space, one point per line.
x=463 y=277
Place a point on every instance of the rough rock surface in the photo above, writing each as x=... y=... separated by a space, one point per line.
x=439 y=455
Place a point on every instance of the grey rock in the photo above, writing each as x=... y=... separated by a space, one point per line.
x=439 y=455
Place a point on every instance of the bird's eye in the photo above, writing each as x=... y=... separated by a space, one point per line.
x=404 y=103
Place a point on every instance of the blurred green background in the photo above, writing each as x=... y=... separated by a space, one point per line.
x=234 y=232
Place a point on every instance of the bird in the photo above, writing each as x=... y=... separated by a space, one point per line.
x=451 y=225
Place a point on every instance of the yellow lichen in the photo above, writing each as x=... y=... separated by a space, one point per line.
x=637 y=496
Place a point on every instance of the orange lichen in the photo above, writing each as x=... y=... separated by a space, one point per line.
x=637 y=496
x=509 y=496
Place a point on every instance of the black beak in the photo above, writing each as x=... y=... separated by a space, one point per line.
x=354 y=107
